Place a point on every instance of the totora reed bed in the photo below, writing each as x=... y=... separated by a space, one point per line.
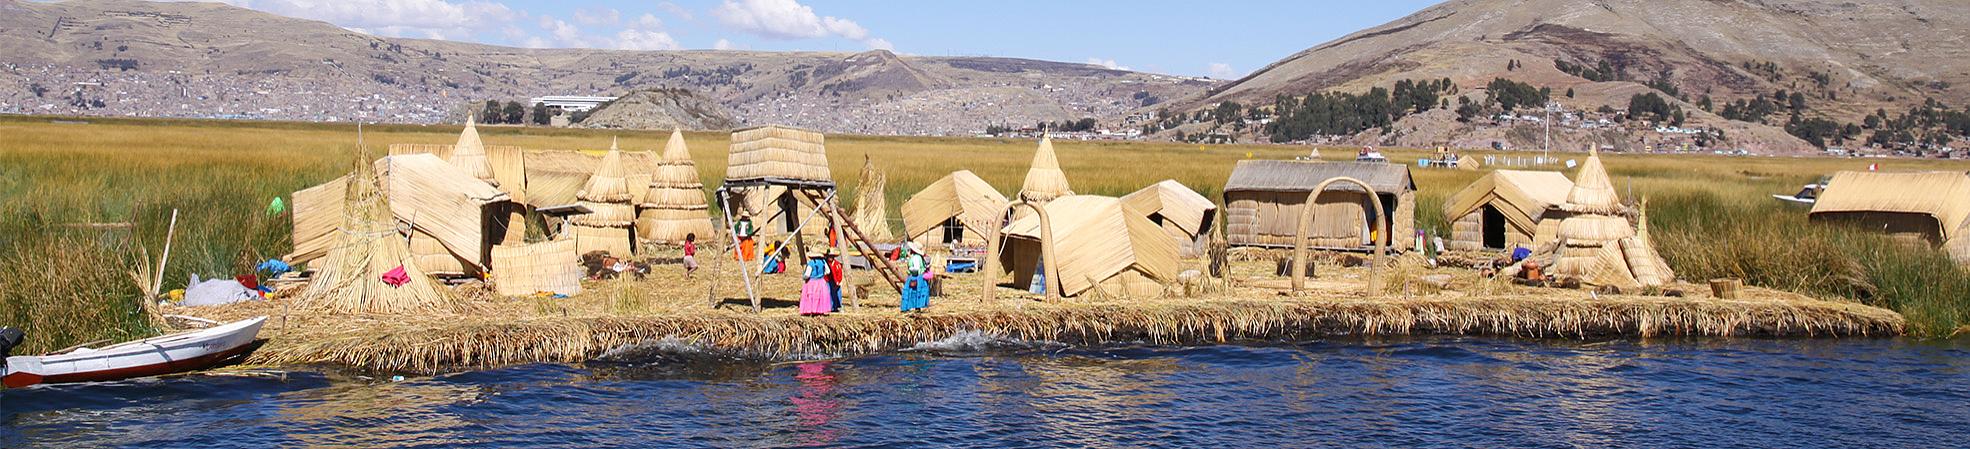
x=624 y=314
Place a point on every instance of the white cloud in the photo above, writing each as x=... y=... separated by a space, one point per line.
x=649 y=22
x=633 y=39
x=1223 y=71
x=788 y=19
x=1107 y=63
x=675 y=10
x=605 y=16
x=723 y=44
x=437 y=19
x=563 y=34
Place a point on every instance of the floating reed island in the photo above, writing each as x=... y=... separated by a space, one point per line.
x=527 y=233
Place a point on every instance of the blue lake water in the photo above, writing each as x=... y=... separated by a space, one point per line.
x=1417 y=392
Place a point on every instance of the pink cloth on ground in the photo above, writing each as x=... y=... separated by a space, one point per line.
x=396 y=277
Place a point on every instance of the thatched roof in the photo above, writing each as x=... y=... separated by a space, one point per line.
x=607 y=194
x=1943 y=195
x=1521 y=196
x=673 y=204
x=1298 y=176
x=960 y=194
x=430 y=194
x=368 y=244
x=1045 y=181
x=778 y=153
x=1179 y=206
x=507 y=162
x=469 y=154
x=1097 y=238
x=1593 y=191
x=553 y=177
x=1467 y=163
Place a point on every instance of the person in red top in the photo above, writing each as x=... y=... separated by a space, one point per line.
x=834 y=276
x=690 y=254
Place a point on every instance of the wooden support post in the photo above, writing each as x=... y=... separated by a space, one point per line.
x=840 y=232
x=868 y=249
x=990 y=269
x=725 y=204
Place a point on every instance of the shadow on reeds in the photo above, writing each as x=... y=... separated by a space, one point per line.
x=1771 y=245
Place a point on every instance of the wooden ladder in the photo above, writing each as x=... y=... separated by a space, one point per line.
x=868 y=249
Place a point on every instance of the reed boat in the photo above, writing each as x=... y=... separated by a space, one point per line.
x=175 y=353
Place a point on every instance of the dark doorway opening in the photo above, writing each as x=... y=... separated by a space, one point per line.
x=1494 y=228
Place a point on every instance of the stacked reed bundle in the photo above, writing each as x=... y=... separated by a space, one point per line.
x=1596 y=245
x=778 y=153
x=674 y=204
x=1044 y=181
x=608 y=227
x=368 y=245
x=871 y=205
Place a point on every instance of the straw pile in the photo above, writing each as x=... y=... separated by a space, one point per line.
x=369 y=244
x=871 y=205
x=552 y=266
x=778 y=153
x=1044 y=181
x=674 y=204
x=608 y=227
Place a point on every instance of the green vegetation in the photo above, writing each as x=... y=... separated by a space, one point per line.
x=1323 y=113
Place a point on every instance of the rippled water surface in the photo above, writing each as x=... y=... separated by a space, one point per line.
x=1387 y=393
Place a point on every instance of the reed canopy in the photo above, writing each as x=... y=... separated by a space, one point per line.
x=1507 y=209
x=1928 y=207
x=367 y=247
x=779 y=154
x=1185 y=216
x=1044 y=181
x=673 y=203
x=1263 y=200
x=958 y=209
x=1102 y=244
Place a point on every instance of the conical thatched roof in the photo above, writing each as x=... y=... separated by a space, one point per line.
x=1045 y=181
x=871 y=206
x=607 y=194
x=367 y=246
x=674 y=206
x=470 y=153
x=1593 y=192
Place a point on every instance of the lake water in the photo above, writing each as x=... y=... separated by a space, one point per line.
x=976 y=392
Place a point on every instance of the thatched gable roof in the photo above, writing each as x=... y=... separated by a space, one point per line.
x=778 y=153
x=1045 y=181
x=960 y=194
x=1943 y=195
x=1179 y=206
x=1097 y=238
x=1521 y=196
x=425 y=191
x=1298 y=176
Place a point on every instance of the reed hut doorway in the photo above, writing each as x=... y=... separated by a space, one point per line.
x=1494 y=227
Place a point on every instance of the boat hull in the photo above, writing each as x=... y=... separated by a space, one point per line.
x=169 y=354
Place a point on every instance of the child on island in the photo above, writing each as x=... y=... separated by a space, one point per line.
x=690 y=254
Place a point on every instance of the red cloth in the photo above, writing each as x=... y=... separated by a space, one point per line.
x=834 y=270
x=250 y=281
x=690 y=248
x=396 y=277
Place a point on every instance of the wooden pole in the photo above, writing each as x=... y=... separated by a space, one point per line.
x=991 y=268
x=841 y=246
x=170 y=232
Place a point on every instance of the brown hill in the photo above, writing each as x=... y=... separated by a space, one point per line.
x=208 y=59
x=1849 y=57
x=659 y=109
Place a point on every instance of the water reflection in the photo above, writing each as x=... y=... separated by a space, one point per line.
x=815 y=403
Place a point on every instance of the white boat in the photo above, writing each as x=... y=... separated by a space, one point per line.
x=1807 y=196
x=175 y=353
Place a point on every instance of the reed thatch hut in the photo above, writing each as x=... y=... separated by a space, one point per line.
x=1044 y=181
x=454 y=216
x=1103 y=244
x=1263 y=200
x=1185 y=216
x=673 y=206
x=959 y=209
x=610 y=224
x=1595 y=244
x=1929 y=207
x=1507 y=209
x=359 y=272
x=766 y=169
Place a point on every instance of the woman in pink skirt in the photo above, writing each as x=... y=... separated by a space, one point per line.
x=814 y=296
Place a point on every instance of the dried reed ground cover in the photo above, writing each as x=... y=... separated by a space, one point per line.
x=69 y=285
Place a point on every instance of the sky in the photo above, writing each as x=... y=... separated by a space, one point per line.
x=1219 y=39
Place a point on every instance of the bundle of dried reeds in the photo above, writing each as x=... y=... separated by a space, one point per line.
x=674 y=206
x=871 y=205
x=369 y=245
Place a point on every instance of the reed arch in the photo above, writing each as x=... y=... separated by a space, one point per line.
x=1380 y=237
x=1048 y=264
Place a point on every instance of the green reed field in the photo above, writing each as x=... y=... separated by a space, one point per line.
x=66 y=282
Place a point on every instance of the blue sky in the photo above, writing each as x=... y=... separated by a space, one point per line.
x=1223 y=39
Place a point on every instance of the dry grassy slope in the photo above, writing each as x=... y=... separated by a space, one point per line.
x=660 y=109
x=200 y=37
x=1881 y=53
